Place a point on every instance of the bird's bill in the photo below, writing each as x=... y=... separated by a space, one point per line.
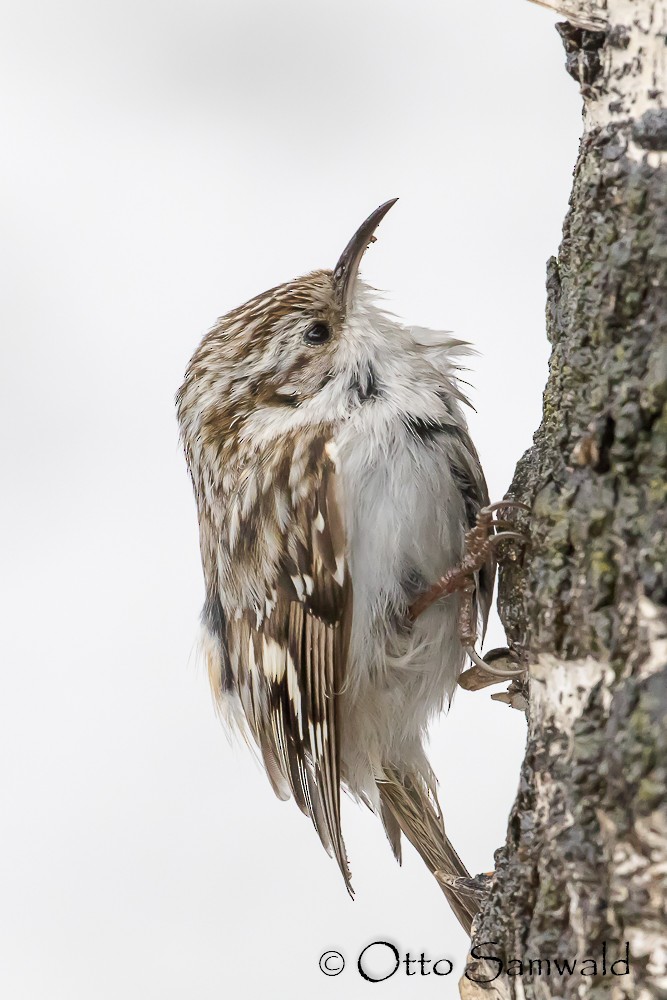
x=347 y=268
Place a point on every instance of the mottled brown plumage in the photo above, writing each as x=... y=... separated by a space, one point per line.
x=335 y=481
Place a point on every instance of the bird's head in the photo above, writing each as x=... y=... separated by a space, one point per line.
x=305 y=353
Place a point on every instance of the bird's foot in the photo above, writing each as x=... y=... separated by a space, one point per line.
x=498 y=665
x=480 y=541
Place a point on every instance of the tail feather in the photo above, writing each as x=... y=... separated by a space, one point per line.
x=393 y=830
x=415 y=810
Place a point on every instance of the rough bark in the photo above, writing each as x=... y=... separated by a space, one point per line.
x=585 y=860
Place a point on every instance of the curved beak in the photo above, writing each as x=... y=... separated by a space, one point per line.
x=347 y=268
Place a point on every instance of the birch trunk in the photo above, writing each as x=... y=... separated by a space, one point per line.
x=585 y=861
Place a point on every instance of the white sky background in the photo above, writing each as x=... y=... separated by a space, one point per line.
x=163 y=162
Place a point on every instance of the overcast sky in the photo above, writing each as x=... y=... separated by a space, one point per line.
x=162 y=162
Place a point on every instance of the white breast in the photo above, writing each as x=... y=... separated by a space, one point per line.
x=404 y=516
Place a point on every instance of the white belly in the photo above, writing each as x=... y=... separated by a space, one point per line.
x=404 y=516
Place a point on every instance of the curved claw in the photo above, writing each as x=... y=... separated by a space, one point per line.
x=505 y=505
x=483 y=665
x=518 y=536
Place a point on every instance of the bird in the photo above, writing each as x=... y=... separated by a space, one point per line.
x=335 y=480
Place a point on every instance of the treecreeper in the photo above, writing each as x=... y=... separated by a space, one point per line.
x=348 y=547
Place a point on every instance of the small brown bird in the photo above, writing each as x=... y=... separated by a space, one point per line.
x=335 y=482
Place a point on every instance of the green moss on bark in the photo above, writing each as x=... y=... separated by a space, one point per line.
x=595 y=481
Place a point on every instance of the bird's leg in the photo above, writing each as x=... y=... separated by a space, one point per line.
x=467 y=630
x=480 y=541
x=476 y=552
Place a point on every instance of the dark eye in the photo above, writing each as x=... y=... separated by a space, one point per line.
x=317 y=334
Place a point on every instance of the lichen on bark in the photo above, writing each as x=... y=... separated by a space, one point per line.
x=585 y=860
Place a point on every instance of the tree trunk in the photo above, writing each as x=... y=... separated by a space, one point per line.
x=585 y=862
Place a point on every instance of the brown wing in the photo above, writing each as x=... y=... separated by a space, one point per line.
x=288 y=661
x=467 y=471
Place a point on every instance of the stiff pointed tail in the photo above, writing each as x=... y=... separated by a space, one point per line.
x=415 y=810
